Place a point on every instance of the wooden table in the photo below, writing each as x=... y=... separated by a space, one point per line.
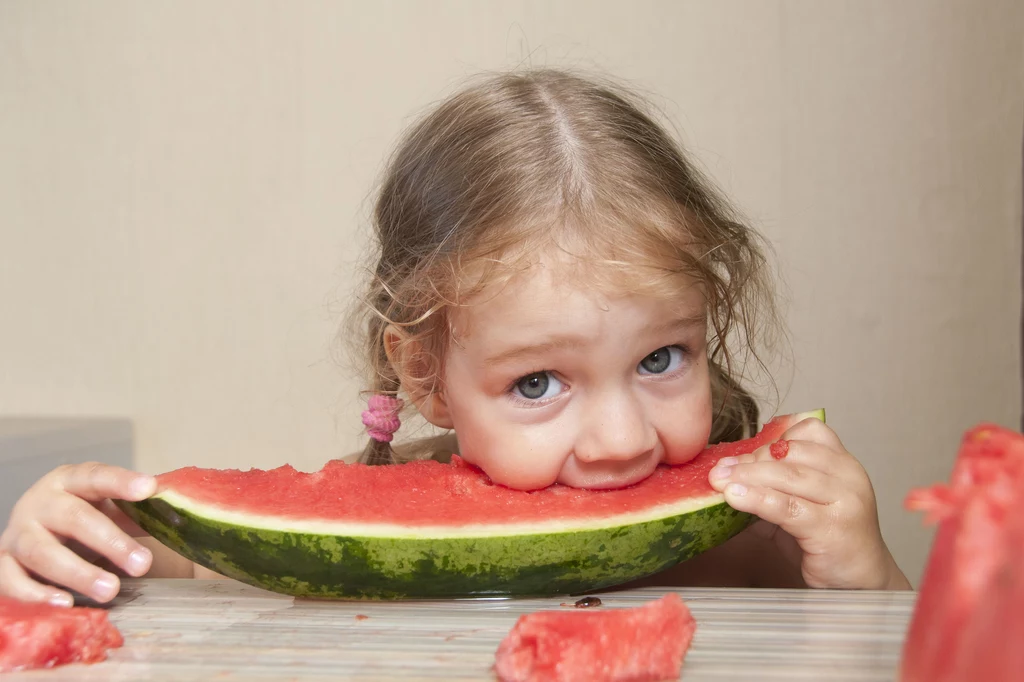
x=185 y=630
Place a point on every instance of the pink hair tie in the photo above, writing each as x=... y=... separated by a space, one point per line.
x=381 y=419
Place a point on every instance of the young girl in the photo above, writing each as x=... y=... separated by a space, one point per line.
x=559 y=288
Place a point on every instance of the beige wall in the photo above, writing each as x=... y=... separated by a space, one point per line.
x=184 y=189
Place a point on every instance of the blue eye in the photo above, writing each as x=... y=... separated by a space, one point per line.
x=665 y=359
x=537 y=386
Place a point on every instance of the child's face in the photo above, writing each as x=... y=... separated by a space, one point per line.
x=547 y=381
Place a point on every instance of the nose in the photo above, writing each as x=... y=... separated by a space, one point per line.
x=615 y=426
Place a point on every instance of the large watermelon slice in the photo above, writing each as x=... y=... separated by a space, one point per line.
x=642 y=644
x=431 y=530
x=968 y=623
x=44 y=636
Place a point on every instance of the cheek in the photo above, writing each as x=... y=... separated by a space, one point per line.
x=514 y=455
x=517 y=455
x=687 y=431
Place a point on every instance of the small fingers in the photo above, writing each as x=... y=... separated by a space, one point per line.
x=795 y=515
x=815 y=431
x=789 y=478
x=800 y=452
x=111 y=511
x=94 y=482
x=39 y=551
x=16 y=583
x=75 y=518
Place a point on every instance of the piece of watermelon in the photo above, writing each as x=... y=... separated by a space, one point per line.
x=431 y=530
x=968 y=623
x=44 y=636
x=613 y=645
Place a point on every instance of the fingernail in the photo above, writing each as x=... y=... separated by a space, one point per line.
x=721 y=472
x=138 y=561
x=736 y=489
x=104 y=588
x=728 y=461
x=142 y=486
x=62 y=600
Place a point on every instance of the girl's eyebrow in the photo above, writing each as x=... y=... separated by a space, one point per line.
x=575 y=341
x=677 y=324
x=558 y=341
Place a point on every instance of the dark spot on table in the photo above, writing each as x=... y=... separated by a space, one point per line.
x=584 y=603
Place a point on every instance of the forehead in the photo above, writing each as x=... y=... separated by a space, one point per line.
x=554 y=288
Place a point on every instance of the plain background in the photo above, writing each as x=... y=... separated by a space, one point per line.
x=184 y=191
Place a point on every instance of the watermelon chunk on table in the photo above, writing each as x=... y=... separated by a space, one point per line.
x=43 y=636
x=968 y=623
x=608 y=645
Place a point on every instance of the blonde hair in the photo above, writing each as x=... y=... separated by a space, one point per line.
x=519 y=161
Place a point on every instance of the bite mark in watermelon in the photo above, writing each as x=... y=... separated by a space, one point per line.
x=968 y=622
x=432 y=530
x=43 y=636
x=615 y=645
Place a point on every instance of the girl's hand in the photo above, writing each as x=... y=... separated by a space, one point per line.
x=820 y=495
x=72 y=503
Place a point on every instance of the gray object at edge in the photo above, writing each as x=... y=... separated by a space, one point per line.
x=32 y=446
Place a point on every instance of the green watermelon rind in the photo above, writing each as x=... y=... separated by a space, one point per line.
x=546 y=561
x=379 y=567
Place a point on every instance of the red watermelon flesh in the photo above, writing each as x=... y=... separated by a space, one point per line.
x=968 y=623
x=44 y=636
x=611 y=645
x=429 y=493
